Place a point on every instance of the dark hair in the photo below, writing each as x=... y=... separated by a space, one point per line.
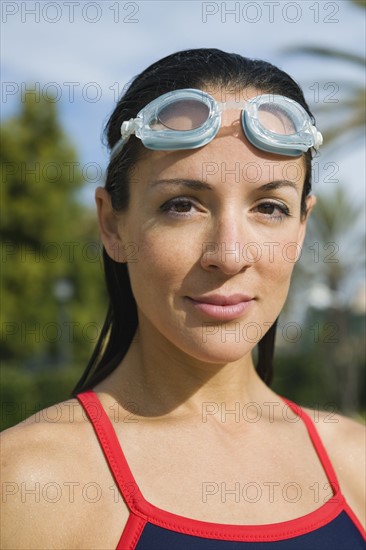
x=196 y=68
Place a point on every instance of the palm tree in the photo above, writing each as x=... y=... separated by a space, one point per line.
x=352 y=109
x=336 y=269
x=334 y=232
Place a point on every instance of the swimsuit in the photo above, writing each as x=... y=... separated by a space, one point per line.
x=333 y=526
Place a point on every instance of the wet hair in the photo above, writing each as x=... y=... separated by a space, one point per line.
x=205 y=68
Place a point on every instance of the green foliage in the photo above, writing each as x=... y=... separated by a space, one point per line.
x=360 y=3
x=325 y=368
x=352 y=109
x=47 y=238
x=335 y=229
x=26 y=392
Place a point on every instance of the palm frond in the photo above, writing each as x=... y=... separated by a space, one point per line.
x=328 y=53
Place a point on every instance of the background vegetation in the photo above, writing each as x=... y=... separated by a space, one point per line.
x=52 y=288
x=53 y=297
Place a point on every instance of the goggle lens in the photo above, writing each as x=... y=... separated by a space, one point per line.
x=186 y=114
x=276 y=120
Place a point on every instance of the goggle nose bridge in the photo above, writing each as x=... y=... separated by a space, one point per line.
x=231 y=105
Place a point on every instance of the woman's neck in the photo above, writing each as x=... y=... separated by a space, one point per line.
x=161 y=379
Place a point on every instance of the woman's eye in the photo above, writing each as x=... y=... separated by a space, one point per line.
x=273 y=210
x=178 y=207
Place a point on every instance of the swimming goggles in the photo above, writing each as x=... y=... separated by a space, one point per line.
x=190 y=118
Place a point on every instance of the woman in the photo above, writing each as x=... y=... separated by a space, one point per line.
x=202 y=218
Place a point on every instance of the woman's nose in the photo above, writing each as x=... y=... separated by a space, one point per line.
x=230 y=247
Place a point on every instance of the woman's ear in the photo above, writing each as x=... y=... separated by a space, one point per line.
x=110 y=226
x=310 y=203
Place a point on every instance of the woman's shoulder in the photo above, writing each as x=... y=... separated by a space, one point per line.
x=344 y=440
x=342 y=435
x=44 y=435
x=35 y=458
x=53 y=475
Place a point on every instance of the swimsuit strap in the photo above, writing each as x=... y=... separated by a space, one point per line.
x=317 y=443
x=111 y=447
x=141 y=509
x=117 y=462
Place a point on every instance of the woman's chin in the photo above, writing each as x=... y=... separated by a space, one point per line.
x=214 y=350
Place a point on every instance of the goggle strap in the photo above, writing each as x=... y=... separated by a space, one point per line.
x=130 y=126
x=117 y=148
x=318 y=138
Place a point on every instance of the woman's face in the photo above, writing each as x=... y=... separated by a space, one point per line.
x=211 y=237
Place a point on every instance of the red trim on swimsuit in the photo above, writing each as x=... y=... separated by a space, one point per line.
x=142 y=512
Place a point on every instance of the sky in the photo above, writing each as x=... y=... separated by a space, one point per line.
x=86 y=52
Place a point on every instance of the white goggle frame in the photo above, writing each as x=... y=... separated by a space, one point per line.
x=303 y=136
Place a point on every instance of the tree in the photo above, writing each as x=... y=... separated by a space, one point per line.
x=332 y=297
x=51 y=281
x=336 y=237
x=352 y=109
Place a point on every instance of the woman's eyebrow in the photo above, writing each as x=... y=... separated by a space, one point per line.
x=198 y=185
x=277 y=184
x=180 y=182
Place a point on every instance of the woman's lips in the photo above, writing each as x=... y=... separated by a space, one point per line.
x=223 y=308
